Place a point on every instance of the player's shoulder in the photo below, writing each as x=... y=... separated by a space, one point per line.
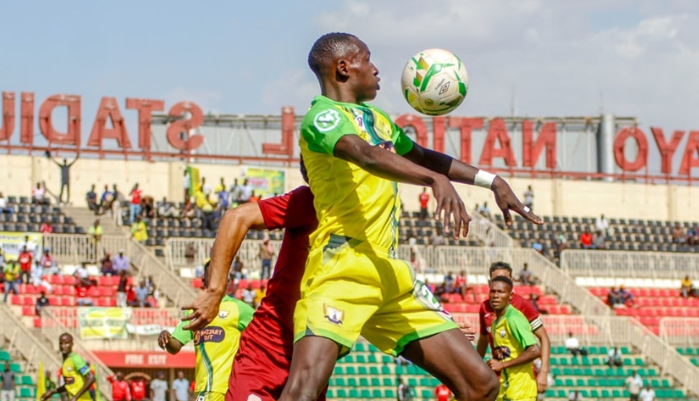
x=513 y=312
x=322 y=110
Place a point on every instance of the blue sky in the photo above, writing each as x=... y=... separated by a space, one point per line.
x=629 y=57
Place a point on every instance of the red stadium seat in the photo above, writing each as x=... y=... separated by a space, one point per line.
x=197 y=282
x=68 y=280
x=255 y=284
x=93 y=292
x=37 y=322
x=54 y=280
x=28 y=311
x=455 y=308
x=53 y=301
x=107 y=291
x=67 y=301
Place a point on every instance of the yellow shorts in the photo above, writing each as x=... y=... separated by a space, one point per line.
x=210 y=396
x=350 y=288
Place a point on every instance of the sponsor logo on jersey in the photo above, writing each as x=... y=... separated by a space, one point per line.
x=333 y=315
x=210 y=334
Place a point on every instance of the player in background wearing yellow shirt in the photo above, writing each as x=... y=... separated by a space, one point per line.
x=76 y=373
x=515 y=346
x=354 y=283
x=215 y=345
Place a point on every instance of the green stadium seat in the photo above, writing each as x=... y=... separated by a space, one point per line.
x=683 y=351
x=353 y=393
x=372 y=348
x=365 y=393
x=385 y=370
x=5 y=356
x=373 y=370
x=593 y=350
x=25 y=392
x=625 y=350
x=603 y=350
x=412 y=382
x=427 y=394
x=376 y=393
x=594 y=393
x=372 y=358
x=375 y=382
x=559 y=350
x=550 y=393
x=350 y=370
x=15 y=367
x=584 y=393
x=389 y=393
x=330 y=394
x=588 y=372
x=580 y=382
x=340 y=382
x=386 y=359
x=559 y=383
x=359 y=347
x=616 y=393
x=341 y=393
x=561 y=394
x=604 y=393
x=362 y=370
x=347 y=359
x=27 y=380
x=569 y=382
x=591 y=382
x=400 y=370
x=360 y=359
x=363 y=382
x=338 y=370
x=387 y=382
x=352 y=381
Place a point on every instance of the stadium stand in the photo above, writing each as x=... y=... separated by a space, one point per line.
x=28 y=217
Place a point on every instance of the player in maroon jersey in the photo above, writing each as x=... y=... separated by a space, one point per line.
x=486 y=316
x=261 y=367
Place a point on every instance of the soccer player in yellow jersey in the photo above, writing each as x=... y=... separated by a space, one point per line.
x=76 y=373
x=215 y=345
x=353 y=155
x=514 y=345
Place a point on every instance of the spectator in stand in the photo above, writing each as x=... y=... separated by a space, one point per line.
x=167 y=209
x=461 y=286
x=266 y=253
x=91 y=199
x=135 y=205
x=95 y=231
x=205 y=210
x=561 y=245
x=137 y=383
x=575 y=396
x=38 y=277
x=139 y=231
x=4 y=208
x=437 y=239
x=189 y=211
x=25 y=265
x=8 y=383
x=254 y=197
x=122 y=288
x=120 y=387
x=186 y=184
x=65 y=177
x=485 y=211
x=107 y=268
x=647 y=394
x=602 y=225
x=142 y=293
x=678 y=236
x=180 y=388
x=598 y=240
x=424 y=199
x=405 y=392
x=692 y=237
x=529 y=197
x=614 y=357
x=121 y=262
x=573 y=345
x=39 y=195
x=158 y=388
x=46 y=227
x=246 y=192
x=48 y=263
x=626 y=297
x=442 y=393
x=248 y=295
x=236 y=192
x=238 y=269
x=107 y=200
x=148 y=207
x=205 y=187
x=613 y=298
x=586 y=239
x=81 y=294
x=131 y=296
x=83 y=275
x=525 y=276
x=11 y=273
x=259 y=295
x=634 y=384
x=41 y=302
x=29 y=244
x=687 y=288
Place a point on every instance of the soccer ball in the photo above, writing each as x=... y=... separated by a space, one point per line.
x=434 y=82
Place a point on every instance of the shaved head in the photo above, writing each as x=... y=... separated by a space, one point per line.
x=329 y=47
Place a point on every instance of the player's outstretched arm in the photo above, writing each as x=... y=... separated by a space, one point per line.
x=467 y=174
x=531 y=353
x=542 y=380
x=388 y=165
x=168 y=343
x=231 y=232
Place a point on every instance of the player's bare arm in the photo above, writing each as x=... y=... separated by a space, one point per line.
x=89 y=381
x=390 y=166
x=482 y=345
x=531 y=353
x=542 y=381
x=465 y=173
x=234 y=226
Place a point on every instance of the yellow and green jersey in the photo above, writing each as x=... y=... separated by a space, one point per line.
x=216 y=344
x=74 y=370
x=512 y=334
x=349 y=201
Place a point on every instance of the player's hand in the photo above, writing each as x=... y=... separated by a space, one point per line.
x=47 y=395
x=204 y=310
x=164 y=339
x=507 y=200
x=542 y=381
x=496 y=365
x=450 y=206
x=468 y=330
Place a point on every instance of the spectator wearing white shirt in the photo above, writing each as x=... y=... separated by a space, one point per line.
x=3 y=205
x=38 y=195
x=602 y=225
x=120 y=262
x=573 y=345
x=575 y=396
x=633 y=384
x=614 y=357
x=529 y=197
x=647 y=394
x=246 y=191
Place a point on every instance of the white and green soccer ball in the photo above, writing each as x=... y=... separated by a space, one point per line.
x=434 y=82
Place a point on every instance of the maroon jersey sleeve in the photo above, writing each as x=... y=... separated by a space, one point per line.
x=481 y=319
x=292 y=210
x=528 y=310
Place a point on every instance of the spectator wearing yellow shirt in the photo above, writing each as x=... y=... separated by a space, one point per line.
x=11 y=272
x=687 y=288
x=139 y=232
x=261 y=292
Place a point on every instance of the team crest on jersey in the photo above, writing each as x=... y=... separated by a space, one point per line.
x=326 y=120
x=333 y=315
x=358 y=118
x=503 y=333
x=222 y=314
x=253 y=397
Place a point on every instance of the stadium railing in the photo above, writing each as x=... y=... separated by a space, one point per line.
x=623 y=264
x=52 y=330
x=488 y=232
x=75 y=249
x=680 y=332
x=23 y=341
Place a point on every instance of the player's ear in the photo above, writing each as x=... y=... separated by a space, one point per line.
x=342 y=68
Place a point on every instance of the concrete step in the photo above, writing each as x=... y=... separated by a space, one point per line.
x=85 y=217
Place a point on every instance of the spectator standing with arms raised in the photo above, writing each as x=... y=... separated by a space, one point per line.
x=65 y=178
x=266 y=253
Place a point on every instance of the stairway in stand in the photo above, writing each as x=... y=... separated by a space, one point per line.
x=84 y=217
